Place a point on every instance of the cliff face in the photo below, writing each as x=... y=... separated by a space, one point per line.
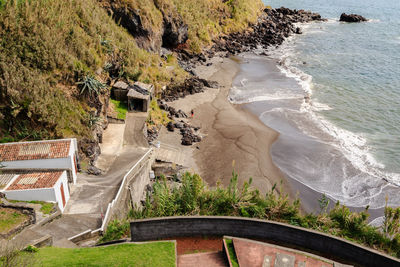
x=50 y=49
x=170 y=23
x=152 y=23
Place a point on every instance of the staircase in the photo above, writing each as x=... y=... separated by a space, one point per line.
x=168 y=153
x=208 y=259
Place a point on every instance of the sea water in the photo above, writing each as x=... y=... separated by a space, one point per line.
x=333 y=93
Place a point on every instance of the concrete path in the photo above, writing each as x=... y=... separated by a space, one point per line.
x=92 y=194
x=113 y=138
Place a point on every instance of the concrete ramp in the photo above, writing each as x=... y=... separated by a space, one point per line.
x=113 y=137
x=134 y=129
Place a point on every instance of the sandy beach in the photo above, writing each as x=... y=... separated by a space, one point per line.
x=231 y=134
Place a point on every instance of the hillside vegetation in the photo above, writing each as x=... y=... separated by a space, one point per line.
x=49 y=50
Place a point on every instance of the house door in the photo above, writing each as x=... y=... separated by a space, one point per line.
x=76 y=166
x=62 y=194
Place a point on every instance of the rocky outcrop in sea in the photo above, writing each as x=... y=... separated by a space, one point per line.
x=352 y=18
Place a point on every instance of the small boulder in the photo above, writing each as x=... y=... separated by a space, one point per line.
x=93 y=170
x=170 y=126
x=179 y=125
x=351 y=18
x=187 y=141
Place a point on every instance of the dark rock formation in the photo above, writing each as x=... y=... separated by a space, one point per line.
x=175 y=31
x=188 y=136
x=172 y=32
x=170 y=126
x=89 y=148
x=189 y=86
x=272 y=28
x=146 y=37
x=152 y=134
x=351 y=18
x=93 y=170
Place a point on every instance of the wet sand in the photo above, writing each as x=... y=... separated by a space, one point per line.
x=234 y=137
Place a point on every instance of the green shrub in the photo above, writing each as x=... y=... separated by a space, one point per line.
x=115 y=230
x=31 y=249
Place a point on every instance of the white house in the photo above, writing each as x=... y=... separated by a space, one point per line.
x=49 y=186
x=41 y=155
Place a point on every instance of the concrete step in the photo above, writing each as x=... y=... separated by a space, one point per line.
x=208 y=259
x=64 y=243
x=169 y=155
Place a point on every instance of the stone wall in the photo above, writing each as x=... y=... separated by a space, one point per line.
x=283 y=234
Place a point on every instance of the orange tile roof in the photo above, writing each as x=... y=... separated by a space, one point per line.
x=35 y=150
x=35 y=180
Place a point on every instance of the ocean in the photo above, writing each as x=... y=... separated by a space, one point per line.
x=333 y=94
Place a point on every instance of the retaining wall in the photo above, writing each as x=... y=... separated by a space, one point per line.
x=315 y=242
x=131 y=190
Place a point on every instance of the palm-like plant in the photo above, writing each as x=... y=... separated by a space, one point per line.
x=91 y=85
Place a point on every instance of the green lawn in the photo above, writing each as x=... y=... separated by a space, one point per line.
x=10 y=218
x=121 y=108
x=47 y=207
x=149 y=254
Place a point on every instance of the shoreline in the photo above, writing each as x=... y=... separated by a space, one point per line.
x=235 y=138
x=235 y=133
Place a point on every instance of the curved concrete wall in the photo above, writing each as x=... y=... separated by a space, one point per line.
x=315 y=242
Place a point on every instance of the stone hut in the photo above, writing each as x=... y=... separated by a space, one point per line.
x=120 y=90
x=139 y=96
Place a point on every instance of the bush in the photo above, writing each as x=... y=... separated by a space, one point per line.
x=115 y=230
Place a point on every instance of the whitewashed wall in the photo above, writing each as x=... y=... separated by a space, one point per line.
x=43 y=194
x=63 y=180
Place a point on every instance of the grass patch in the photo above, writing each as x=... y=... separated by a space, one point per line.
x=150 y=254
x=47 y=207
x=232 y=253
x=157 y=117
x=10 y=218
x=121 y=109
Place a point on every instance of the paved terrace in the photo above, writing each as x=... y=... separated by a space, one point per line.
x=91 y=195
